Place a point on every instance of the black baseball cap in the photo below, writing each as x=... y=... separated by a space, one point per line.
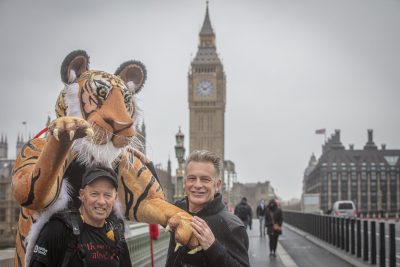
x=93 y=173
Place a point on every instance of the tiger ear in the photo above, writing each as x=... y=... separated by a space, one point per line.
x=76 y=63
x=133 y=73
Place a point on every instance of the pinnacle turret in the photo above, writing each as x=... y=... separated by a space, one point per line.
x=207 y=51
x=207 y=29
x=3 y=146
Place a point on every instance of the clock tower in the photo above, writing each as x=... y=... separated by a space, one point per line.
x=207 y=95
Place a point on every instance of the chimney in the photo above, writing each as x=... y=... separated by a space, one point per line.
x=370 y=136
x=337 y=135
x=351 y=146
x=336 y=143
x=370 y=144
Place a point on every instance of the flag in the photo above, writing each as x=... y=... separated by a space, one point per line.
x=320 y=131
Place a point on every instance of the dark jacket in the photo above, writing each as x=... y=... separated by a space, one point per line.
x=243 y=211
x=273 y=215
x=231 y=240
x=65 y=240
x=261 y=211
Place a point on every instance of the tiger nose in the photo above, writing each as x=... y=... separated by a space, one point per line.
x=119 y=125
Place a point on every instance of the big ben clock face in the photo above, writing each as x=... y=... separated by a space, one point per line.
x=204 y=88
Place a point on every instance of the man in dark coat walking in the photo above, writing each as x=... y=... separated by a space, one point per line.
x=244 y=212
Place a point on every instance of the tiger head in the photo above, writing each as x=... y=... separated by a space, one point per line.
x=105 y=100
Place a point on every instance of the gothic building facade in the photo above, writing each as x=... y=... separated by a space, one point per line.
x=9 y=208
x=370 y=177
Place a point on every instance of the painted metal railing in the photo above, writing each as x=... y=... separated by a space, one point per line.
x=355 y=236
x=138 y=241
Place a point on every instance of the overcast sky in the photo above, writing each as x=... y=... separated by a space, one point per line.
x=291 y=66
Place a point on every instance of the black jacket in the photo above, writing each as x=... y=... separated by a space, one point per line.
x=261 y=211
x=231 y=240
x=277 y=217
x=243 y=211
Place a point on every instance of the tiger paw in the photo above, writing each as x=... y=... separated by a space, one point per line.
x=70 y=129
x=180 y=224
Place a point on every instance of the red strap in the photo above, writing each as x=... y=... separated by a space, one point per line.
x=40 y=133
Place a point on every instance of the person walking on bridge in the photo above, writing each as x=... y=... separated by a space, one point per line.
x=261 y=211
x=243 y=211
x=273 y=222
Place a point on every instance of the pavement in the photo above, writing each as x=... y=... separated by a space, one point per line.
x=259 y=251
x=306 y=252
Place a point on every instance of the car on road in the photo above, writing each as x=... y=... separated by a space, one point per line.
x=344 y=208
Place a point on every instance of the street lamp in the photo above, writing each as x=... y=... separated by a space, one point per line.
x=180 y=154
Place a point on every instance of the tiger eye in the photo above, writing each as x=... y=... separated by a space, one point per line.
x=127 y=98
x=101 y=92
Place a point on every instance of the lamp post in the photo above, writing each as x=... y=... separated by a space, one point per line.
x=180 y=154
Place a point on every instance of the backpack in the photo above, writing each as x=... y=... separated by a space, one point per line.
x=242 y=212
x=73 y=221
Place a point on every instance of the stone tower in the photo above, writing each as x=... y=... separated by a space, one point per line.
x=3 y=147
x=207 y=94
x=20 y=143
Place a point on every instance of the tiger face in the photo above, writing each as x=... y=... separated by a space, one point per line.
x=105 y=100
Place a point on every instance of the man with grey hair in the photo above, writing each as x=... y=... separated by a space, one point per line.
x=222 y=236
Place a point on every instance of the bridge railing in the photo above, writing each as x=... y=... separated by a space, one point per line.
x=358 y=237
x=138 y=241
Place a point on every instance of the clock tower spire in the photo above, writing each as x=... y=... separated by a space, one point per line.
x=207 y=35
x=207 y=94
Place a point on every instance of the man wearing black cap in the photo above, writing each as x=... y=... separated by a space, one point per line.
x=92 y=236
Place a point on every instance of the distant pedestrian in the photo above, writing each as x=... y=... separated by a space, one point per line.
x=244 y=212
x=261 y=211
x=273 y=222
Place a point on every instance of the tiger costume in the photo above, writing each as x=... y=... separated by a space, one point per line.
x=94 y=125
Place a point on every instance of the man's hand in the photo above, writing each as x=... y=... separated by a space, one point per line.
x=202 y=232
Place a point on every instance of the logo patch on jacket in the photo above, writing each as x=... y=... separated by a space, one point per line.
x=40 y=250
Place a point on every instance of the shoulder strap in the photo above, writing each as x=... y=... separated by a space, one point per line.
x=272 y=217
x=116 y=225
x=73 y=221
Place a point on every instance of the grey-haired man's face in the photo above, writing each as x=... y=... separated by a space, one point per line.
x=98 y=199
x=200 y=184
